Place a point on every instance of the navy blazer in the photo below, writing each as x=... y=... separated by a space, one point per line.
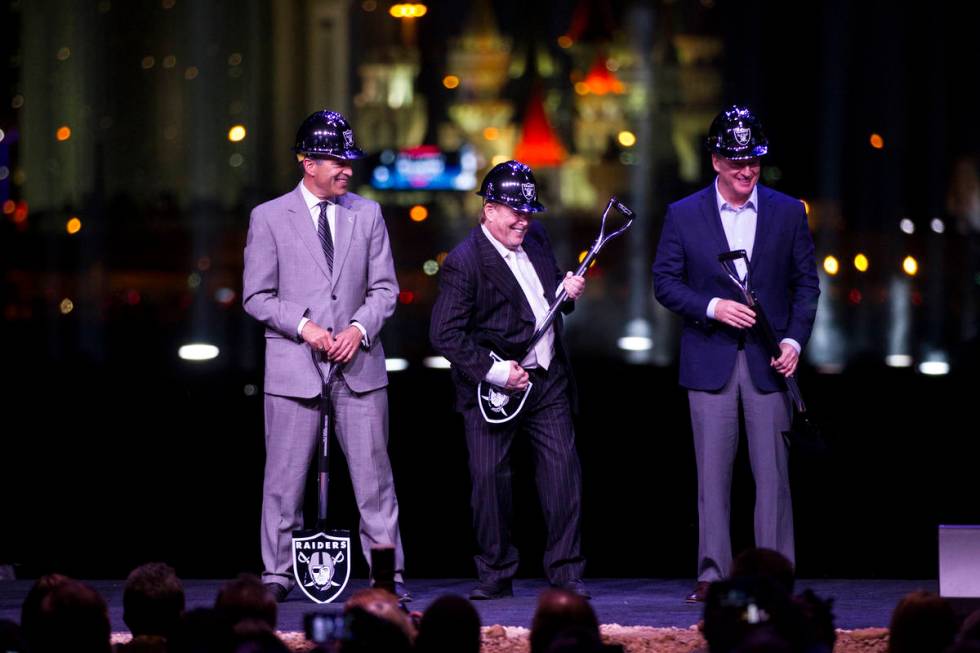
x=481 y=306
x=687 y=275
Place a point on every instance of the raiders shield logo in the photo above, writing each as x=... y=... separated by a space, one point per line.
x=742 y=135
x=499 y=405
x=348 y=137
x=321 y=565
x=528 y=190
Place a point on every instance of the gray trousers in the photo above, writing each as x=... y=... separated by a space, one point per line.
x=291 y=437
x=714 y=421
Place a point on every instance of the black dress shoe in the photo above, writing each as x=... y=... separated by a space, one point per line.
x=700 y=592
x=278 y=592
x=576 y=586
x=403 y=594
x=491 y=590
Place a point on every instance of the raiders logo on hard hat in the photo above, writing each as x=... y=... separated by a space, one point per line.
x=321 y=565
x=511 y=183
x=736 y=134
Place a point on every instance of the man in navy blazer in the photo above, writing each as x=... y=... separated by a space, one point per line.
x=494 y=288
x=722 y=362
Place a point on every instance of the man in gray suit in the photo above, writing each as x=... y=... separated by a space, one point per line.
x=320 y=277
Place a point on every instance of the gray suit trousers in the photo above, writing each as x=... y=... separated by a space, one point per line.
x=361 y=426
x=714 y=421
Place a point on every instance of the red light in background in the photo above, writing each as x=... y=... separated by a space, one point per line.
x=854 y=296
x=406 y=297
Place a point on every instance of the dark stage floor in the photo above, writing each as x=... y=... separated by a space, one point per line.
x=628 y=602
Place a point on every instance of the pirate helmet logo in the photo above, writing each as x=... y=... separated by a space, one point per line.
x=528 y=190
x=348 y=137
x=742 y=135
x=321 y=565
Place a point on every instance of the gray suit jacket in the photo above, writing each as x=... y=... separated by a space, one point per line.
x=286 y=278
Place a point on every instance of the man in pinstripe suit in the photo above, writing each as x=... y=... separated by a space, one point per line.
x=494 y=288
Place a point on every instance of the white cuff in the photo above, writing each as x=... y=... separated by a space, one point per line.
x=792 y=343
x=711 y=307
x=499 y=373
x=365 y=341
x=302 y=323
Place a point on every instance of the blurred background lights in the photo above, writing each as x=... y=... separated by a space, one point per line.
x=250 y=390
x=73 y=226
x=236 y=133
x=224 y=296
x=877 y=141
x=898 y=360
x=9 y=207
x=169 y=61
x=148 y=62
x=861 y=263
x=582 y=255
x=4 y=172
x=408 y=10
x=418 y=213
x=831 y=265
x=66 y=306
x=934 y=367
x=64 y=53
x=396 y=364
x=236 y=160
x=430 y=267
x=450 y=81
x=635 y=343
x=436 y=363
x=565 y=41
x=198 y=351
x=63 y=133
x=491 y=133
x=191 y=72
x=907 y=226
x=626 y=138
x=2 y=135
x=910 y=266
x=937 y=225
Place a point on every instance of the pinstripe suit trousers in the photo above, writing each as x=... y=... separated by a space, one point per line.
x=546 y=421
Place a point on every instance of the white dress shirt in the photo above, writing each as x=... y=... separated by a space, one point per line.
x=739 y=224
x=313 y=203
x=523 y=270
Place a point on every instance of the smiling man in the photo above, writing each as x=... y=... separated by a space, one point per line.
x=320 y=277
x=494 y=288
x=722 y=363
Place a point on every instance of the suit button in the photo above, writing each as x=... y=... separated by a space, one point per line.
x=333 y=297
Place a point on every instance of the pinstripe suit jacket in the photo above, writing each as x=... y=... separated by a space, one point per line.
x=286 y=278
x=481 y=306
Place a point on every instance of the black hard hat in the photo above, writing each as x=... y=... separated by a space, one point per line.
x=511 y=183
x=736 y=133
x=326 y=134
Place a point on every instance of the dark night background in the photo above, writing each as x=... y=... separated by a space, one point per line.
x=114 y=451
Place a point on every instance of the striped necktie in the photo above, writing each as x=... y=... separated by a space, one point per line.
x=326 y=237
